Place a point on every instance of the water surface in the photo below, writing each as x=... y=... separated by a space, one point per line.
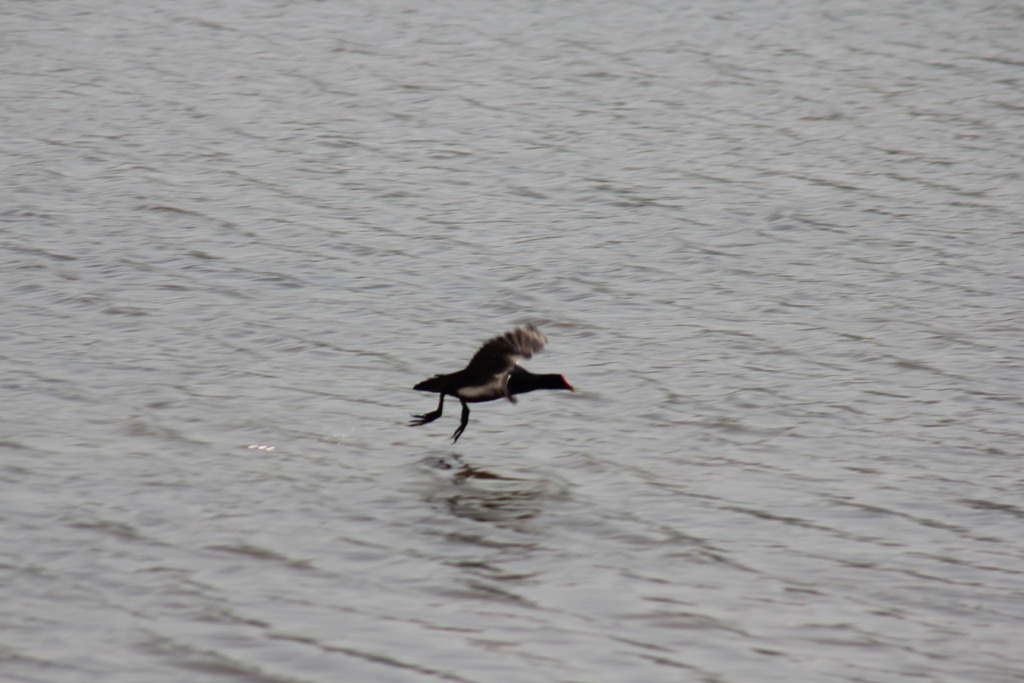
x=777 y=249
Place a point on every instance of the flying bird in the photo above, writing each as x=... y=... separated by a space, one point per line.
x=492 y=373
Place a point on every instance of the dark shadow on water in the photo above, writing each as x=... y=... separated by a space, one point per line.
x=488 y=496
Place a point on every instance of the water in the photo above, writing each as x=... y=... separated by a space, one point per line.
x=776 y=247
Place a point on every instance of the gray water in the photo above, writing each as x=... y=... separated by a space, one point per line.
x=776 y=246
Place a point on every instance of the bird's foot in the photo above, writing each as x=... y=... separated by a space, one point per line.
x=423 y=419
x=462 y=422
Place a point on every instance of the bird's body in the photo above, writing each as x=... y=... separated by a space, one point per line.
x=492 y=373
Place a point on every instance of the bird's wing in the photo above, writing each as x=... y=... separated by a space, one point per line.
x=500 y=354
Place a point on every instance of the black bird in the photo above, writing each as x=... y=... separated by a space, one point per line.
x=492 y=373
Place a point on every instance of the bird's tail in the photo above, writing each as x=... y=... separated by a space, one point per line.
x=435 y=384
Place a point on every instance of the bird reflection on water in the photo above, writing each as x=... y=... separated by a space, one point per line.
x=486 y=496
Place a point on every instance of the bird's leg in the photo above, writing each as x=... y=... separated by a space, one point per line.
x=428 y=417
x=463 y=423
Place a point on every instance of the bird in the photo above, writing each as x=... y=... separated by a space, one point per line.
x=492 y=373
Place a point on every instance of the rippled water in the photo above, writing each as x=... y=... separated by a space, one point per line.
x=777 y=247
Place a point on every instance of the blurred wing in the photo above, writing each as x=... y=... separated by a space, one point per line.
x=500 y=354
